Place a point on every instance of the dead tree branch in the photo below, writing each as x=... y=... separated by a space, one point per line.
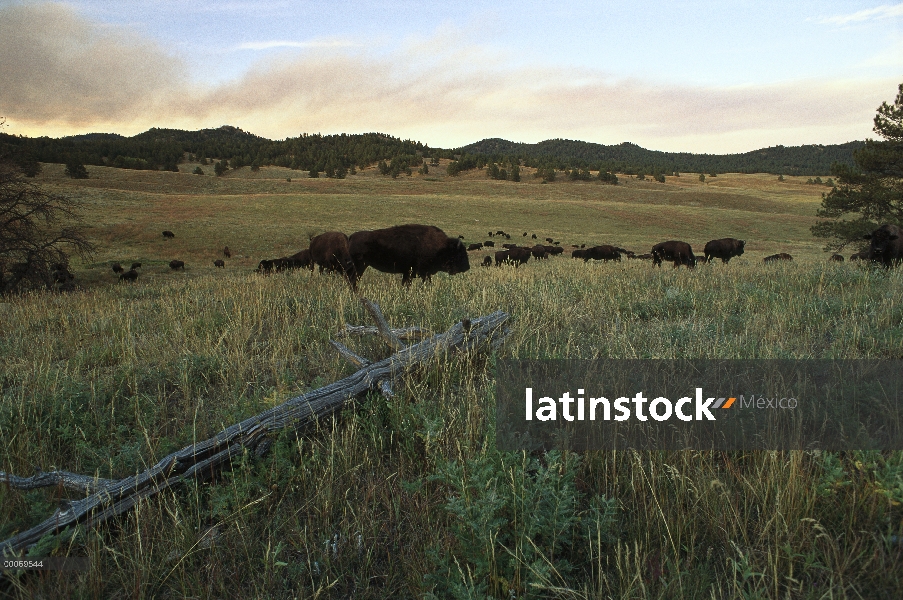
x=203 y=459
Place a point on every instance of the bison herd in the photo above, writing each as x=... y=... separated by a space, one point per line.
x=423 y=250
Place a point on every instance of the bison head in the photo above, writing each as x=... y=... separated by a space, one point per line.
x=882 y=237
x=454 y=259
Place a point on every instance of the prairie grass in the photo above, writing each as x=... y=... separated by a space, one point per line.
x=407 y=497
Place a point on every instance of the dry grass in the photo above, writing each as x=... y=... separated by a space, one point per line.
x=407 y=497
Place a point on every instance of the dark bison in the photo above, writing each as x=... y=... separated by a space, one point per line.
x=539 y=252
x=302 y=260
x=515 y=256
x=554 y=249
x=177 y=264
x=725 y=249
x=680 y=253
x=578 y=254
x=168 y=234
x=863 y=255
x=525 y=234
x=412 y=250
x=509 y=246
x=331 y=252
x=645 y=256
x=534 y=236
x=265 y=266
x=226 y=252
x=136 y=265
x=491 y=234
x=472 y=247
x=550 y=240
x=604 y=252
x=489 y=244
x=836 y=258
x=702 y=260
x=117 y=268
x=219 y=263
x=130 y=275
x=887 y=245
x=487 y=262
x=777 y=257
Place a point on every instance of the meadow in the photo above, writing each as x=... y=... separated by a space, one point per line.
x=408 y=497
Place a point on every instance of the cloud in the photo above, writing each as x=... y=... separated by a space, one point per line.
x=57 y=67
x=885 y=11
x=268 y=44
x=67 y=75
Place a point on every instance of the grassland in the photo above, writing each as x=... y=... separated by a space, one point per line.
x=408 y=497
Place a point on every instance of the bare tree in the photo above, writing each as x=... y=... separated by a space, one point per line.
x=38 y=233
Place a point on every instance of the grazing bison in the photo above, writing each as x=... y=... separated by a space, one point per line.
x=226 y=252
x=472 y=247
x=117 y=268
x=219 y=263
x=553 y=250
x=550 y=240
x=725 y=249
x=412 y=250
x=578 y=253
x=887 y=245
x=265 y=266
x=168 y=234
x=777 y=257
x=130 y=275
x=604 y=252
x=539 y=252
x=177 y=264
x=680 y=253
x=331 y=252
x=487 y=262
x=500 y=232
x=515 y=256
x=836 y=258
x=489 y=244
x=302 y=260
x=509 y=246
x=136 y=265
x=534 y=236
x=525 y=234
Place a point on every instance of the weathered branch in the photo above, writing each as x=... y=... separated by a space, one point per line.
x=203 y=459
x=357 y=361
x=71 y=481
x=407 y=333
x=384 y=330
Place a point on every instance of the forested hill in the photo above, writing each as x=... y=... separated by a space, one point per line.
x=630 y=158
x=165 y=148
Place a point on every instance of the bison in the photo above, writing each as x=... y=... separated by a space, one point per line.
x=412 y=250
x=605 y=253
x=302 y=260
x=887 y=245
x=863 y=255
x=509 y=246
x=515 y=256
x=177 y=264
x=265 y=266
x=219 y=263
x=725 y=249
x=331 y=252
x=646 y=256
x=539 y=252
x=130 y=275
x=226 y=252
x=534 y=236
x=489 y=244
x=836 y=258
x=117 y=268
x=473 y=247
x=680 y=253
x=168 y=234
x=136 y=265
x=777 y=257
x=578 y=254
x=553 y=250
x=487 y=262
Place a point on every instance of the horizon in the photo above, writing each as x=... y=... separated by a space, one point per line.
x=699 y=79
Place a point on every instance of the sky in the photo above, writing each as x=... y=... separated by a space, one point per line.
x=706 y=77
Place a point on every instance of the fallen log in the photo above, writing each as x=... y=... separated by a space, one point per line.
x=109 y=498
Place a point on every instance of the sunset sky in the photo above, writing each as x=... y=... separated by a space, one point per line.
x=712 y=77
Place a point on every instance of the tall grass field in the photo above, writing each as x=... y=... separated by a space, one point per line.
x=408 y=497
